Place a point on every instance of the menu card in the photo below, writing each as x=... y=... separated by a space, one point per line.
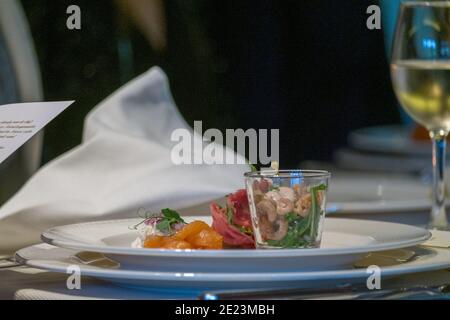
x=21 y=121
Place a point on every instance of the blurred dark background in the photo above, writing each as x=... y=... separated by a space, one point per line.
x=309 y=68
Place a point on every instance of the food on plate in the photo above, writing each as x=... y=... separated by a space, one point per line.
x=233 y=221
x=285 y=217
x=288 y=217
x=168 y=230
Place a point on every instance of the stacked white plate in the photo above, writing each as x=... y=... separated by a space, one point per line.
x=390 y=139
x=380 y=197
x=390 y=174
x=385 y=149
x=345 y=242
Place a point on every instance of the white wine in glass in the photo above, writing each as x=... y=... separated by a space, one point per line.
x=420 y=72
x=423 y=88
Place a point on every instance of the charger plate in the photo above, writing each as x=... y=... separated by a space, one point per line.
x=59 y=260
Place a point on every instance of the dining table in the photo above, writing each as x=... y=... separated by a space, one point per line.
x=20 y=282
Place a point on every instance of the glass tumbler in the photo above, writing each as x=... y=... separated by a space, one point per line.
x=287 y=207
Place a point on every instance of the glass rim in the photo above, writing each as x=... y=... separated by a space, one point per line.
x=307 y=174
x=425 y=4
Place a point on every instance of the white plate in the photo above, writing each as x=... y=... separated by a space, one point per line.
x=344 y=242
x=394 y=139
x=369 y=193
x=58 y=260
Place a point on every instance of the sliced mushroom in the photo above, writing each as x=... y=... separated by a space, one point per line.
x=264 y=185
x=287 y=193
x=280 y=232
x=265 y=227
x=257 y=195
x=265 y=207
x=273 y=195
x=284 y=206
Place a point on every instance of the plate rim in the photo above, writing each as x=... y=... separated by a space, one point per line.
x=382 y=206
x=238 y=253
x=363 y=139
x=161 y=276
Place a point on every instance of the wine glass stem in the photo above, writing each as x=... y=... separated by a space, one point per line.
x=438 y=215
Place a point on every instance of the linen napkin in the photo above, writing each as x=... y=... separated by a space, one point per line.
x=124 y=164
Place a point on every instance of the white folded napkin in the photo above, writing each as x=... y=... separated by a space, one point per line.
x=123 y=165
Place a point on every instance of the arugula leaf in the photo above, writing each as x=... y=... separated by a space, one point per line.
x=297 y=227
x=230 y=214
x=302 y=228
x=170 y=217
x=322 y=187
x=245 y=230
x=290 y=241
x=291 y=217
x=164 y=226
x=230 y=220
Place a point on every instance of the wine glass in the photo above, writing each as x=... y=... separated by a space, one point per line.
x=420 y=70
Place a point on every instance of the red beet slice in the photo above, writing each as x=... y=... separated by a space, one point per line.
x=231 y=235
x=239 y=201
